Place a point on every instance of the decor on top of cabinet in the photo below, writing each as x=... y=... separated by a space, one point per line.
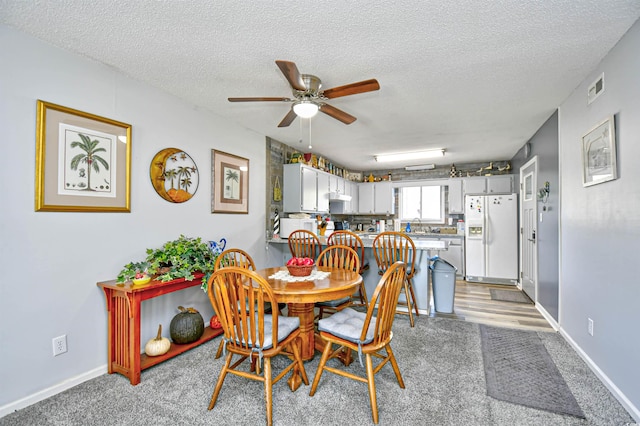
x=506 y=168
x=296 y=157
x=83 y=161
x=229 y=183
x=158 y=345
x=187 y=326
x=174 y=175
x=487 y=168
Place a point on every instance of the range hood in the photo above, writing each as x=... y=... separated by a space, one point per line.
x=337 y=196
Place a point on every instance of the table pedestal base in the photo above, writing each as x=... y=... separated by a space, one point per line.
x=305 y=312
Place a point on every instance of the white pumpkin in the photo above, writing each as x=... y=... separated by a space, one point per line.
x=157 y=346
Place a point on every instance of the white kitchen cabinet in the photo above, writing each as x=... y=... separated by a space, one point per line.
x=376 y=198
x=486 y=185
x=455 y=254
x=341 y=186
x=456 y=200
x=365 y=198
x=501 y=184
x=352 y=190
x=323 y=191
x=475 y=185
x=304 y=189
x=337 y=184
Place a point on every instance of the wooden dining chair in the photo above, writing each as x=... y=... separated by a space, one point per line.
x=252 y=333
x=351 y=239
x=367 y=335
x=341 y=257
x=390 y=247
x=233 y=257
x=303 y=243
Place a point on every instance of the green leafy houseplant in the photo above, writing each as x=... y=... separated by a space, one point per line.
x=180 y=258
x=131 y=271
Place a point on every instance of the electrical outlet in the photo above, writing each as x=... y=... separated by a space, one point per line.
x=59 y=345
x=590 y=327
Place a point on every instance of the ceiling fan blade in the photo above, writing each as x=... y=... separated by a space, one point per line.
x=288 y=119
x=336 y=113
x=352 y=89
x=290 y=71
x=259 y=99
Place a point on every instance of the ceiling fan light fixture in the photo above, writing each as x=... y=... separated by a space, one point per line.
x=403 y=156
x=305 y=109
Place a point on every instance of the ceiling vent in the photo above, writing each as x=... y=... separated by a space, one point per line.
x=595 y=89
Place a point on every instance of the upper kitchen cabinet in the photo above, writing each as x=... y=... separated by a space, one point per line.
x=376 y=198
x=345 y=199
x=304 y=189
x=337 y=184
x=456 y=200
x=487 y=185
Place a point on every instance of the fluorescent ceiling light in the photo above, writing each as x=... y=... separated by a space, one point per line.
x=305 y=109
x=421 y=167
x=385 y=158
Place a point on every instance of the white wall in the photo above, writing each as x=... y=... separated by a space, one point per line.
x=51 y=261
x=600 y=225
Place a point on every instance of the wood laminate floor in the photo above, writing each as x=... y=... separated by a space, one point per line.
x=473 y=303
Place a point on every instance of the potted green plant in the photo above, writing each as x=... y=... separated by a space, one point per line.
x=180 y=258
x=133 y=271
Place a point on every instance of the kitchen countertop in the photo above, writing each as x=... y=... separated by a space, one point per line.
x=367 y=239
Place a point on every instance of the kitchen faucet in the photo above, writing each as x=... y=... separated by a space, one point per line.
x=419 y=223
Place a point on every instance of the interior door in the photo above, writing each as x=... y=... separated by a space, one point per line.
x=528 y=228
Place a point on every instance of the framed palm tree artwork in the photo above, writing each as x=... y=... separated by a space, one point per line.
x=229 y=183
x=83 y=161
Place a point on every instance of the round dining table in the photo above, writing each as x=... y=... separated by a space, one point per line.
x=301 y=296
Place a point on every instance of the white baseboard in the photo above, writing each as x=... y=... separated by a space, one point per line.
x=617 y=393
x=552 y=322
x=53 y=390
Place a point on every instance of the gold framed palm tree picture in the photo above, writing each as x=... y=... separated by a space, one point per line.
x=83 y=161
x=229 y=183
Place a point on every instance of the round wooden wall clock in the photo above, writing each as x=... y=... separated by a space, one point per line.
x=174 y=175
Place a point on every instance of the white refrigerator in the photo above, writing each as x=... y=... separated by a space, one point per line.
x=491 y=238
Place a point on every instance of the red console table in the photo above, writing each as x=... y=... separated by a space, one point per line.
x=123 y=307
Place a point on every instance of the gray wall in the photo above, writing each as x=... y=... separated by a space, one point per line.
x=600 y=224
x=49 y=270
x=544 y=144
x=51 y=261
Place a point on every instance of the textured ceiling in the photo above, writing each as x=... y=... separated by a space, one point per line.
x=475 y=78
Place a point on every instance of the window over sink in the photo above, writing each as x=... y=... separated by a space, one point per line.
x=423 y=202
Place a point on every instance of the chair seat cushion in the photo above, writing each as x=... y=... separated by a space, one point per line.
x=347 y=324
x=334 y=303
x=409 y=268
x=286 y=326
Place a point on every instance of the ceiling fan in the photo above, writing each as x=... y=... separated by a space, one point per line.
x=309 y=98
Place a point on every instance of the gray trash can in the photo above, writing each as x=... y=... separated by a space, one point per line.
x=443 y=282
